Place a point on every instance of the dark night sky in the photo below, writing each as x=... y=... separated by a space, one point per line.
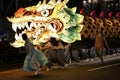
x=8 y=7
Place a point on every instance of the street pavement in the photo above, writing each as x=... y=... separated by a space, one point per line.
x=96 y=60
x=19 y=74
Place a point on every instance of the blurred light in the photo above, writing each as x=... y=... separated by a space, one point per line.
x=95 y=1
x=84 y=2
x=89 y=1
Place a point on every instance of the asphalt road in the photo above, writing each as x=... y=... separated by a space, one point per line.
x=107 y=71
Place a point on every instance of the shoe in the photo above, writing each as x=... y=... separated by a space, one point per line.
x=66 y=65
x=48 y=69
x=36 y=73
x=92 y=60
x=62 y=67
x=87 y=60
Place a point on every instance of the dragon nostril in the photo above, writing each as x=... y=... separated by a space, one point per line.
x=29 y=23
x=52 y=24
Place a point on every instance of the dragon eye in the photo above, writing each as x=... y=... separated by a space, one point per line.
x=45 y=12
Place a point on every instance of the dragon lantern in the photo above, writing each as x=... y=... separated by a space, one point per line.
x=48 y=19
x=110 y=27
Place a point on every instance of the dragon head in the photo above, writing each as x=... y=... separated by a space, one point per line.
x=46 y=20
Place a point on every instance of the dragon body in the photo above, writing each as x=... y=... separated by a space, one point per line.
x=56 y=19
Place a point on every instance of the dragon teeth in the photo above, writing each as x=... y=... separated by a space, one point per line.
x=20 y=36
x=19 y=26
x=16 y=36
x=14 y=27
x=51 y=28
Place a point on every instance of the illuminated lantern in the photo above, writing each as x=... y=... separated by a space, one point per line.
x=117 y=15
x=92 y=13
x=102 y=14
x=49 y=19
x=82 y=11
x=110 y=14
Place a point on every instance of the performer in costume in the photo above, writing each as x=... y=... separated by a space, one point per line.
x=34 y=58
x=100 y=43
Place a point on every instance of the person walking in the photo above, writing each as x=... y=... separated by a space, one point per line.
x=34 y=58
x=100 y=43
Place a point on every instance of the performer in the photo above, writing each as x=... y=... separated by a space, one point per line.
x=100 y=43
x=34 y=58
